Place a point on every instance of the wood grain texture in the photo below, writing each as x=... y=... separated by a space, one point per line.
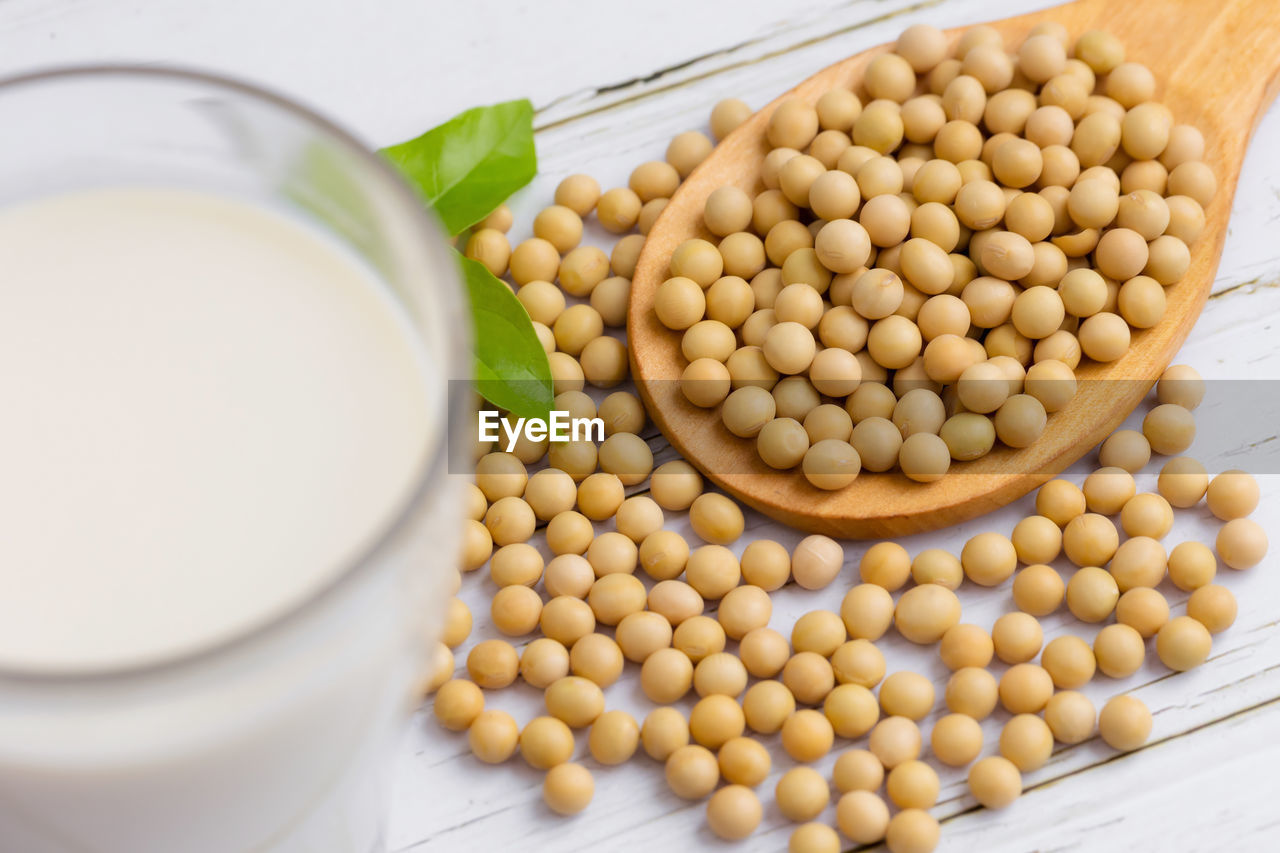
x=1231 y=49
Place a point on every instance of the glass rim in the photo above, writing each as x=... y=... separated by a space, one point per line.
x=434 y=466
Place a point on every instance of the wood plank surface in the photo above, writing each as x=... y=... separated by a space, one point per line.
x=613 y=82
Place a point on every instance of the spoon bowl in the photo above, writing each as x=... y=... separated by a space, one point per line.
x=1216 y=67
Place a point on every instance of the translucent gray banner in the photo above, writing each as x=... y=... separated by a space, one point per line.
x=1237 y=424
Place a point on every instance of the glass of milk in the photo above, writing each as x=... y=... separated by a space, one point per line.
x=226 y=531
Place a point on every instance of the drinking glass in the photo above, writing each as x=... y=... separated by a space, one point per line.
x=277 y=739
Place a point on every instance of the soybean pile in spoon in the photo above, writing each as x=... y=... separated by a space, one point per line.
x=933 y=255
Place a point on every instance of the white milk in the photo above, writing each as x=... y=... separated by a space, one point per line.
x=209 y=414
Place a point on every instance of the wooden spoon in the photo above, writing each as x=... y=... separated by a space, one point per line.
x=1216 y=66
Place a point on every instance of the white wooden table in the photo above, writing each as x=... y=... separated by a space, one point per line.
x=612 y=83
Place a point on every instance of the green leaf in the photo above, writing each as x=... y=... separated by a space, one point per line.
x=472 y=163
x=464 y=169
x=511 y=368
